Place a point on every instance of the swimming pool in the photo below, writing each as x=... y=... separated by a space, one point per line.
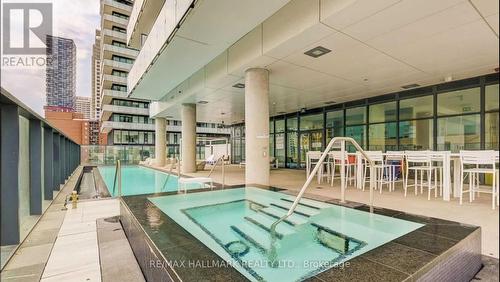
x=235 y=225
x=141 y=180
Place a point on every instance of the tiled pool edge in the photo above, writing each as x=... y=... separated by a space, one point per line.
x=460 y=254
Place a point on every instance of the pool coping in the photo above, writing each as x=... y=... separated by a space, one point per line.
x=418 y=255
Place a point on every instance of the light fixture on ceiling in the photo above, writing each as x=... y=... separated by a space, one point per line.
x=317 y=51
x=302 y=110
x=409 y=86
x=330 y=102
x=239 y=85
x=202 y=102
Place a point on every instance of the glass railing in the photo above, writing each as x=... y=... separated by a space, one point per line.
x=109 y=154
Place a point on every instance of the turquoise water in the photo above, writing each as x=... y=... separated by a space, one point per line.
x=141 y=180
x=235 y=223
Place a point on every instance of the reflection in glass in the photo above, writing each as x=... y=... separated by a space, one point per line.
x=491 y=131
x=491 y=97
x=459 y=102
x=335 y=119
x=291 y=124
x=420 y=107
x=292 y=150
x=382 y=112
x=311 y=122
x=310 y=141
x=458 y=133
x=280 y=126
x=280 y=148
x=415 y=135
x=358 y=133
x=383 y=137
x=355 y=115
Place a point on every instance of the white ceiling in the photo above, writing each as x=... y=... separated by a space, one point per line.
x=377 y=46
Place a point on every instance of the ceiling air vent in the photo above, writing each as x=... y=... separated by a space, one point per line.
x=317 y=51
x=239 y=85
x=202 y=102
x=413 y=85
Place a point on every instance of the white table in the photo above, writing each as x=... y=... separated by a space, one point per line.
x=199 y=180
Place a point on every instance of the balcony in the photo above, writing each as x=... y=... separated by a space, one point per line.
x=109 y=50
x=110 y=20
x=108 y=6
x=141 y=21
x=184 y=39
x=107 y=126
x=109 y=95
x=114 y=34
x=107 y=110
x=109 y=79
x=109 y=65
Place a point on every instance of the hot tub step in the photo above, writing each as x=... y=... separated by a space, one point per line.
x=277 y=213
x=265 y=223
x=253 y=234
x=308 y=203
x=305 y=211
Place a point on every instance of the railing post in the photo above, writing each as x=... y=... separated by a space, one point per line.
x=373 y=179
x=223 y=172
x=119 y=172
x=342 y=171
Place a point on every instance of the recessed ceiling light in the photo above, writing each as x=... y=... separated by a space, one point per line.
x=408 y=86
x=202 y=102
x=222 y=114
x=317 y=51
x=330 y=102
x=239 y=85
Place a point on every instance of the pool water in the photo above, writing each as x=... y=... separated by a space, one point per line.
x=141 y=180
x=235 y=224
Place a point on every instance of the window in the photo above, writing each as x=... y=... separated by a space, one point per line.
x=459 y=102
x=382 y=112
x=459 y=133
x=491 y=131
x=311 y=122
x=383 y=136
x=358 y=133
x=420 y=107
x=119 y=87
x=491 y=98
x=119 y=44
x=122 y=59
x=280 y=126
x=120 y=15
x=291 y=124
x=119 y=73
x=355 y=116
x=119 y=29
x=415 y=135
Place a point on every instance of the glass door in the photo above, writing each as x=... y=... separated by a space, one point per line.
x=310 y=141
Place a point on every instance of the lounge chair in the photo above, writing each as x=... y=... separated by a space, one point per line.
x=211 y=160
x=147 y=161
x=201 y=166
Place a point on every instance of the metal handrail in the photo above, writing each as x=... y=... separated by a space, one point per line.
x=272 y=252
x=118 y=176
x=223 y=169
x=176 y=163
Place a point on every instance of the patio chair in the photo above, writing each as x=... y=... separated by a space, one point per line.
x=335 y=160
x=380 y=167
x=200 y=166
x=475 y=163
x=393 y=161
x=419 y=162
x=273 y=162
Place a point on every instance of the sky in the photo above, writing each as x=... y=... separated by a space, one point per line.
x=74 y=19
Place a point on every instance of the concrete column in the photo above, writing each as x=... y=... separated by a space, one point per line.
x=35 y=166
x=9 y=174
x=188 y=119
x=257 y=126
x=48 y=160
x=160 y=141
x=56 y=154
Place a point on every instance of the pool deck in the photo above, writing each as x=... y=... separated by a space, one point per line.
x=411 y=256
x=478 y=213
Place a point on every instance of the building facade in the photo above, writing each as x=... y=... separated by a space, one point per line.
x=60 y=74
x=82 y=105
x=96 y=77
x=126 y=121
x=71 y=124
